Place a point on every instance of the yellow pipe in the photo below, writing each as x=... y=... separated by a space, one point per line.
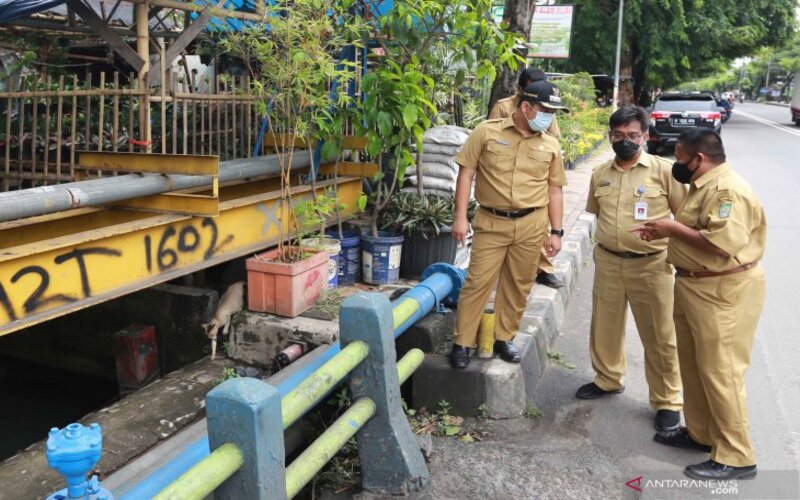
x=202 y=479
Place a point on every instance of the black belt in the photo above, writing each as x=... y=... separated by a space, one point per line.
x=629 y=255
x=513 y=214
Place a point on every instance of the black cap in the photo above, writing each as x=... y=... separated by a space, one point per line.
x=545 y=93
x=530 y=75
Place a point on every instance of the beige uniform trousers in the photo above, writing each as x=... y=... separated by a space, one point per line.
x=646 y=283
x=715 y=323
x=504 y=252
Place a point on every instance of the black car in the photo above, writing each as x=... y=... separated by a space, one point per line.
x=674 y=113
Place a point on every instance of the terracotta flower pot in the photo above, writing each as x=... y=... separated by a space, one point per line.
x=285 y=289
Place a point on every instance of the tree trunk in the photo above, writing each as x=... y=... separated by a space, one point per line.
x=641 y=90
x=518 y=14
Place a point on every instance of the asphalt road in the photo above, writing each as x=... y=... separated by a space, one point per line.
x=764 y=147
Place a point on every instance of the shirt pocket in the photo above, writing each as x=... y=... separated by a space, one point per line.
x=537 y=165
x=498 y=157
x=656 y=199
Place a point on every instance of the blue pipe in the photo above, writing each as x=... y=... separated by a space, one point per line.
x=441 y=283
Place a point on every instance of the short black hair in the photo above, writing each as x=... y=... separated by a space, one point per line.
x=703 y=140
x=628 y=114
x=530 y=75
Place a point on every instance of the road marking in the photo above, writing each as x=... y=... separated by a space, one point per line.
x=772 y=124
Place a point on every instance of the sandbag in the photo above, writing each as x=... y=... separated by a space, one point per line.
x=437 y=158
x=430 y=192
x=448 y=135
x=436 y=170
x=440 y=149
x=433 y=183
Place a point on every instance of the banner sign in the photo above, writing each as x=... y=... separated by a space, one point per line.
x=551 y=31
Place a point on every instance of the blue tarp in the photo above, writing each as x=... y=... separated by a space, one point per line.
x=15 y=9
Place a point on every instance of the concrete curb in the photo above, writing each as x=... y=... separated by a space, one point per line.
x=506 y=389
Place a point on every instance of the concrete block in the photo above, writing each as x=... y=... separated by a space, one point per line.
x=435 y=380
x=591 y=219
x=535 y=326
x=505 y=389
x=256 y=338
x=530 y=365
x=431 y=334
x=556 y=297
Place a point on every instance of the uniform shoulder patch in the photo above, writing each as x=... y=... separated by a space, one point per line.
x=725 y=207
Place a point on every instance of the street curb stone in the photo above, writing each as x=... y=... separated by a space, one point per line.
x=506 y=389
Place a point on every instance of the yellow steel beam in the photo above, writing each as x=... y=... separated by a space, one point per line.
x=57 y=265
x=351 y=168
x=175 y=203
x=150 y=163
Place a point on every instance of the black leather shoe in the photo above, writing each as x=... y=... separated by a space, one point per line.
x=549 y=279
x=720 y=472
x=459 y=356
x=507 y=351
x=680 y=438
x=592 y=391
x=667 y=420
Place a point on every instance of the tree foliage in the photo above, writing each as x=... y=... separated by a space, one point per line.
x=668 y=41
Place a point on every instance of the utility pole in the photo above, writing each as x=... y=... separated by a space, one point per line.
x=615 y=101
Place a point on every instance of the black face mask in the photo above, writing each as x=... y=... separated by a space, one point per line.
x=625 y=149
x=681 y=172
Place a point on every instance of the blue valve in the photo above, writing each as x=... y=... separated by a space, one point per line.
x=73 y=452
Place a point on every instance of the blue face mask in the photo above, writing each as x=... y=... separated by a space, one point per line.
x=541 y=122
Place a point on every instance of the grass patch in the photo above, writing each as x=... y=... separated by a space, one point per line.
x=559 y=359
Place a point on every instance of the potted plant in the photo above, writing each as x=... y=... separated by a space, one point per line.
x=291 y=63
x=425 y=222
x=313 y=216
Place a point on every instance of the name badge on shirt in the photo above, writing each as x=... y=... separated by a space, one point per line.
x=640 y=210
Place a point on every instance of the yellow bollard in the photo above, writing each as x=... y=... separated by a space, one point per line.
x=486 y=335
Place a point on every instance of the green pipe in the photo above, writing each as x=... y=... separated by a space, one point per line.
x=308 y=393
x=409 y=364
x=206 y=476
x=314 y=458
x=402 y=310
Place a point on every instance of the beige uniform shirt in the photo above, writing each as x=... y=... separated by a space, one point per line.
x=513 y=172
x=615 y=192
x=505 y=107
x=723 y=207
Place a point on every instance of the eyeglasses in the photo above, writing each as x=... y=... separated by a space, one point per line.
x=619 y=136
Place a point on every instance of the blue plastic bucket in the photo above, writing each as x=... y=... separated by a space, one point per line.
x=349 y=257
x=380 y=258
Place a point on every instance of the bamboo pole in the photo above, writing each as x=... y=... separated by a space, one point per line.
x=235 y=124
x=203 y=127
x=193 y=83
x=59 y=116
x=218 y=12
x=101 y=118
x=248 y=121
x=88 y=112
x=48 y=81
x=130 y=115
x=143 y=49
x=74 y=126
x=185 y=121
x=164 y=77
x=34 y=125
x=172 y=78
x=115 y=118
x=7 y=165
x=225 y=128
x=219 y=120
x=21 y=135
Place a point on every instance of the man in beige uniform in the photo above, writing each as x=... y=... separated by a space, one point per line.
x=715 y=243
x=519 y=178
x=632 y=188
x=503 y=108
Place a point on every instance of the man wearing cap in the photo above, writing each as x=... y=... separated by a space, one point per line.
x=715 y=242
x=505 y=107
x=520 y=174
x=625 y=192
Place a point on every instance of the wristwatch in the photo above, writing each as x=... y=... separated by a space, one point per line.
x=557 y=232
